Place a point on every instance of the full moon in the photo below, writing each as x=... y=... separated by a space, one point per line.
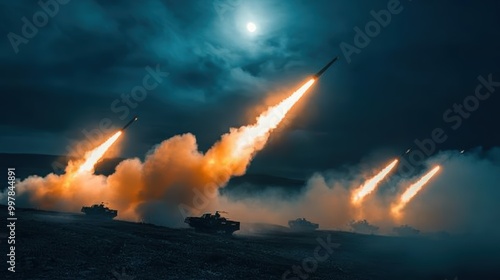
x=251 y=27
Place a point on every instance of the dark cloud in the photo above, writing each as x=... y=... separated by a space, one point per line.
x=397 y=89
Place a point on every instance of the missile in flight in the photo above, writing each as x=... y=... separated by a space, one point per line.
x=129 y=123
x=405 y=153
x=317 y=75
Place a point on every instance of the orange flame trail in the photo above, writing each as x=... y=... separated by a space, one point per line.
x=92 y=157
x=232 y=154
x=369 y=186
x=270 y=119
x=174 y=172
x=412 y=191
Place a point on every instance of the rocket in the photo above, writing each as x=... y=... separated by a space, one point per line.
x=317 y=75
x=407 y=151
x=129 y=123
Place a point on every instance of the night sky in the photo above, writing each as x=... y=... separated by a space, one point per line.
x=373 y=103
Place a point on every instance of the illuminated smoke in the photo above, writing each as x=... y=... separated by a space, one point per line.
x=174 y=179
x=236 y=148
x=269 y=120
x=412 y=191
x=370 y=185
x=92 y=157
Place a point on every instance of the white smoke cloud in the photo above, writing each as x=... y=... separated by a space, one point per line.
x=461 y=198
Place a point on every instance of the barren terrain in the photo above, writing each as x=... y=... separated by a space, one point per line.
x=51 y=245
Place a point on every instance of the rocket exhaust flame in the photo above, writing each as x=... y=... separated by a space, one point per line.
x=173 y=179
x=270 y=119
x=92 y=157
x=234 y=152
x=412 y=191
x=370 y=185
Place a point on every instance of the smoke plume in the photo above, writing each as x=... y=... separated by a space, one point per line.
x=174 y=180
x=461 y=199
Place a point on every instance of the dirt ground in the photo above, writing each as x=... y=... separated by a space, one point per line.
x=51 y=245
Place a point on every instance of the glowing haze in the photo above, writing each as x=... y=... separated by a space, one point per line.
x=92 y=157
x=269 y=120
x=174 y=180
x=371 y=184
x=412 y=191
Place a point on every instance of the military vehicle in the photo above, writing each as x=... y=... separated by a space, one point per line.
x=99 y=211
x=406 y=230
x=301 y=224
x=209 y=223
x=363 y=227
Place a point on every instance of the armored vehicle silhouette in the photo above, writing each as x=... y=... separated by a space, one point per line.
x=99 y=211
x=363 y=227
x=406 y=230
x=209 y=223
x=301 y=224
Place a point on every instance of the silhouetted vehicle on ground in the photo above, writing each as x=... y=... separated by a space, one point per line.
x=406 y=230
x=99 y=211
x=209 y=223
x=301 y=224
x=363 y=226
